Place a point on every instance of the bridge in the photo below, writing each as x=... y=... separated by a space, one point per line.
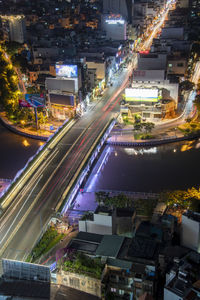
x=48 y=180
x=45 y=185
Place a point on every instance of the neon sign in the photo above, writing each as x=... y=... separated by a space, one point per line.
x=114 y=22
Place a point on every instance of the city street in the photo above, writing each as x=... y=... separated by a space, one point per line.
x=26 y=218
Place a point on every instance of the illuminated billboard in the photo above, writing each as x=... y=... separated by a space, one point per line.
x=35 y=100
x=115 y=21
x=147 y=95
x=69 y=71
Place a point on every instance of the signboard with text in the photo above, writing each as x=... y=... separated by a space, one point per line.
x=146 y=95
x=24 y=103
x=35 y=100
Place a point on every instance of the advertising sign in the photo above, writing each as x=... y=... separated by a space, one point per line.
x=35 y=100
x=147 y=95
x=23 y=103
x=114 y=21
x=69 y=71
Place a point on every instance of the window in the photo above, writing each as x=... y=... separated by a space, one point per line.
x=180 y=65
x=121 y=292
x=113 y=290
x=169 y=65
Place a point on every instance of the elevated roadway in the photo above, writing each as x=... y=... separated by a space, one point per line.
x=22 y=223
x=37 y=197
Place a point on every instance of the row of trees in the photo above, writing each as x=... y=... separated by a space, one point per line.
x=9 y=90
x=146 y=126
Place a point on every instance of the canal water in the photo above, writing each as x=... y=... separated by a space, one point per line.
x=15 y=150
x=153 y=169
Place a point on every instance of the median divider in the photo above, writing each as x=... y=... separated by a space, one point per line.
x=71 y=191
x=32 y=164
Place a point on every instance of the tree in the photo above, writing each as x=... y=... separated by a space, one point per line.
x=42 y=119
x=186 y=85
x=196 y=48
x=101 y=197
x=148 y=126
x=197 y=102
x=137 y=126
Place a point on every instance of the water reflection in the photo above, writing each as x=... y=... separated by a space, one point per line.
x=15 y=151
x=171 y=166
x=25 y=143
x=136 y=151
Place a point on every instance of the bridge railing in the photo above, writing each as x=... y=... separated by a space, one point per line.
x=84 y=168
x=33 y=163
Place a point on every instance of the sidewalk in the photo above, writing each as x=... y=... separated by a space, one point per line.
x=42 y=134
x=158 y=135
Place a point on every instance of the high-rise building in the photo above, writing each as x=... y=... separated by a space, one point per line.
x=14 y=28
x=122 y=7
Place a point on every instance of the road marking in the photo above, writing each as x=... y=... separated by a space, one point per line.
x=4 y=217
x=21 y=208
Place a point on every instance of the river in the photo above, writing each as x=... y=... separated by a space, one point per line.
x=171 y=166
x=15 y=150
x=153 y=169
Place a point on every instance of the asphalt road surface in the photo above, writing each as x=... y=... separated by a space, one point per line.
x=24 y=220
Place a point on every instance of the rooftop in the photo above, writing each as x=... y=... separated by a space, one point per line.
x=142 y=248
x=192 y=215
x=110 y=246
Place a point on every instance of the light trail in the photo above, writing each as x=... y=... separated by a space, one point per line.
x=196 y=75
x=5 y=235
x=68 y=169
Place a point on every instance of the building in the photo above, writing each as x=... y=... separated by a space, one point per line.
x=177 y=65
x=173 y=33
x=108 y=221
x=130 y=264
x=190 y=230
x=182 y=281
x=152 y=100
x=14 y=28
x=119 y=7
x=22 y=280
x=115 y=27
x=63 y=91
x=152 y=61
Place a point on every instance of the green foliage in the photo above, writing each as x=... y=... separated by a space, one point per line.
x=190 y=128
x=186 y=85
x=139 y=126
x=145 y=206
x=48 y=241
x=196 y=48
x=83 y=264
x=189 y=199
x=146 y=136
x=20 y=61
x=42 y=118
x=148 y=126
x=118 y=201
x=12 y=48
